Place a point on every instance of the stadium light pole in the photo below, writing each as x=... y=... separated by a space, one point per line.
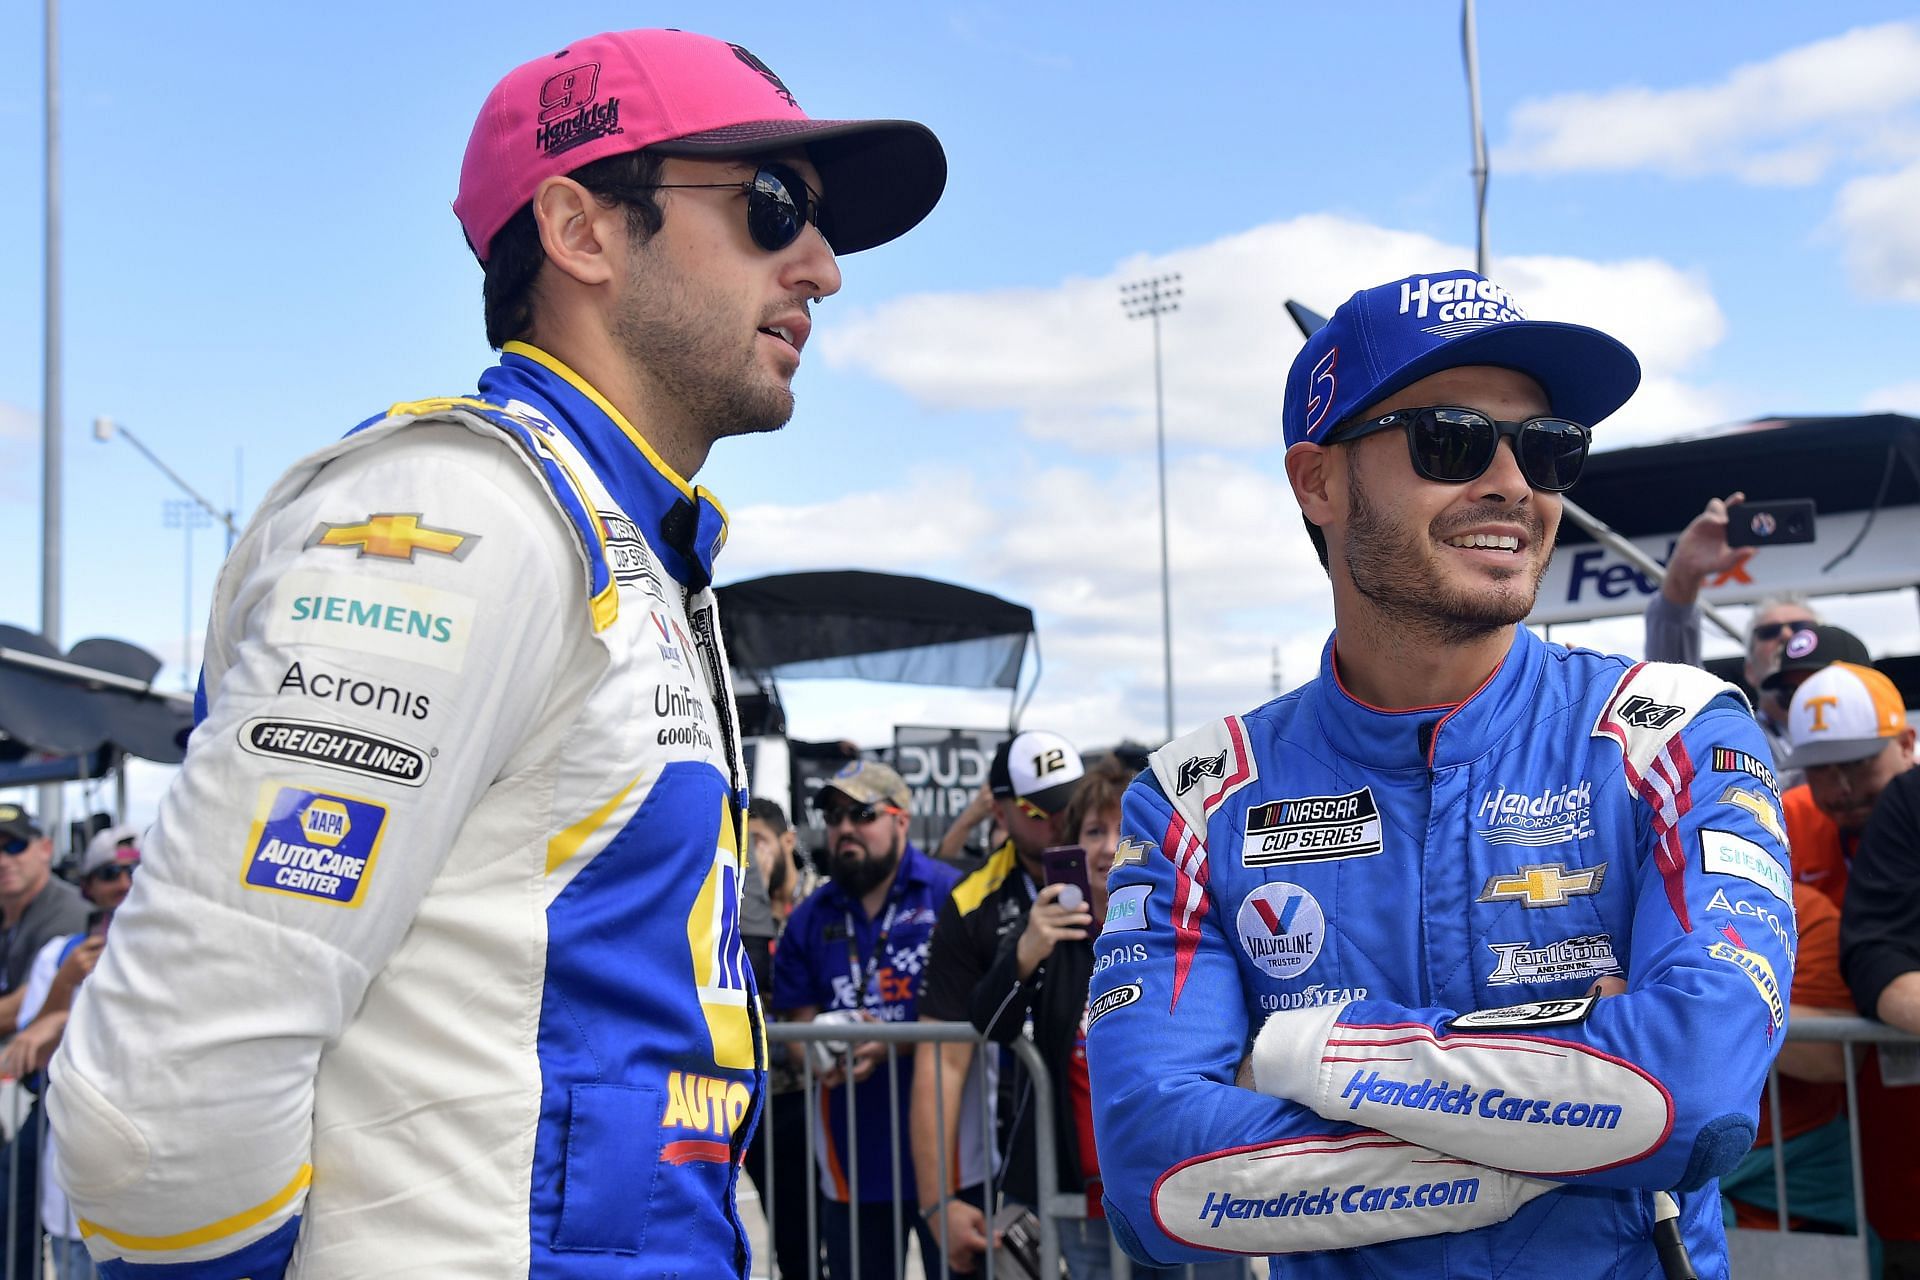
x=1152 y=298
x=105 y=429
x=52 y=797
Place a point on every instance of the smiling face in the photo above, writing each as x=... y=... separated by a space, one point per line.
x=1453 y=560
x=711 y=324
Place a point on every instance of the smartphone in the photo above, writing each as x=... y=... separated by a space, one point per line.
x=97 y=922
x=1766 y=524
x=1067 y=865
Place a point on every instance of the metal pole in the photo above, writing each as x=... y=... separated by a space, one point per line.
x=1154 y=298
x=52 y=809
x=1470 y=41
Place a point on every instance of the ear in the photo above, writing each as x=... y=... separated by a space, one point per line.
x=1313 y=471
x=578 y=233
x=1906 y=740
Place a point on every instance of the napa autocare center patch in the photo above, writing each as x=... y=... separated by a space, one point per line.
x=318 y=845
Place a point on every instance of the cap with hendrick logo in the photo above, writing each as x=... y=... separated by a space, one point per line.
x=1844 y=712
x=111 y=846
x=867 y=782
x=683 y=94
x=1383 y=339
x=1814 y=648
x=15 y=824
x=1036 y=766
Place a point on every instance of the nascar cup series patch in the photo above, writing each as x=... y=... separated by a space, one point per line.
x=313 y=844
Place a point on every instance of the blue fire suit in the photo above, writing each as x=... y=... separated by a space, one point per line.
x=1342 y=996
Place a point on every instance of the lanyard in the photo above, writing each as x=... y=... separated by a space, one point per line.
x=863 y=975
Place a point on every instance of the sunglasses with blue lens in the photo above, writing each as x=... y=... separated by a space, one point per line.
x=779 y=203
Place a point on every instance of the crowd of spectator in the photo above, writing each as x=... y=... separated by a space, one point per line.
x=871 y=929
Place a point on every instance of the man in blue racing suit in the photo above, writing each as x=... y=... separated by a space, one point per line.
x=1447 y=962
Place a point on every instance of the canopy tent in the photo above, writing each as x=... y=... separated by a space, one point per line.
x=855 y=624
x=73 y=715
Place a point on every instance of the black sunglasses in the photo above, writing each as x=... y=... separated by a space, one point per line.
x=779 y=204
x=859 y=814
x=15 y=847
x=1452 y=445
x=1772 y=630
x=112 y=871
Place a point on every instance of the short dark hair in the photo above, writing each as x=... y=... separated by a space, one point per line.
x=513 y=263
x=769 y=812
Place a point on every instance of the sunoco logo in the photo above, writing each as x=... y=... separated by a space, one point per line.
x=1557 y=815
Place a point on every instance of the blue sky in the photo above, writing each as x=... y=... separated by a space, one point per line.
x=259 y=253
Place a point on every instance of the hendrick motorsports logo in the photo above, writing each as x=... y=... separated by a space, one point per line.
x=1463 y=1099
x=1557 y=815
x=1312 y=829
x=1357 y=1198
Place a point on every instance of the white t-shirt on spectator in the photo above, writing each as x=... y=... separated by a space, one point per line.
x=55 y=1214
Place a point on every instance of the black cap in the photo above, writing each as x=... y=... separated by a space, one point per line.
x=15 y=824
x=1814 y=648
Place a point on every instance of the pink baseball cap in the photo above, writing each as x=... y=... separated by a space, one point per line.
x=685 y=95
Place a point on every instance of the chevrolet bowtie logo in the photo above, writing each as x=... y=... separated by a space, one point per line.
x=1759 y=807
x=394 y=536
x=1547 y=885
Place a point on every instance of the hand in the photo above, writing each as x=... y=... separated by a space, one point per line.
x=867 y=1056
x=1049 y=923
x=962 y=1229
x=1608 y=986
x=78 y=967
x=1702 y=550
x=30 y=1049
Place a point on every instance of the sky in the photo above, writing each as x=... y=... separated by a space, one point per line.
x=259 y=253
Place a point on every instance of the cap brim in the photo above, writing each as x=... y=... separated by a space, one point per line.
x=1838 y=752
x=1586 y=374
x=1053 y=799
x=882 y=177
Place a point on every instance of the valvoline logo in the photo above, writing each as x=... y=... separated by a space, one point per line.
x=1281 y=929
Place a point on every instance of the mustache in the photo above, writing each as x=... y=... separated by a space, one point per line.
x=1525 y=515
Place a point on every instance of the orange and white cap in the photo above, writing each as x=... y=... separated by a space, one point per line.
x=1842 y=713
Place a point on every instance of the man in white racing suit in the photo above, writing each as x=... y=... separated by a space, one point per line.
x=434 y=968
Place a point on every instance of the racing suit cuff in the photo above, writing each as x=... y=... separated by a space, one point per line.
x=1287 y=1053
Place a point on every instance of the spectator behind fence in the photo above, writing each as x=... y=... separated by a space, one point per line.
x=783 y=1120
x=1850 y=734
x=1673 y=618
x=1032 y=778
x=853 y=953
x=442 y=907
x=37 y=909
x=1040 y=975
x=53 y=984
x=1880 y=954
x=1455 y=891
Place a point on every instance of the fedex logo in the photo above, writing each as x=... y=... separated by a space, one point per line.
x=1611 y=581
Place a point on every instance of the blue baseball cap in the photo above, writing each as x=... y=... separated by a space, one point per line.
x=1388 y=337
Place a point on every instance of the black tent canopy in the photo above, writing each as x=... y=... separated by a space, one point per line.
x=861 y=625
x=84 y=708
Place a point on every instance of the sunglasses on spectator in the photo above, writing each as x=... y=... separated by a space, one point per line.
x=112 y=872
x=16 y=846
x=1031 y=809
x=779 y=204
x=1452 y=445
x=859 y=814
x=1773 y=630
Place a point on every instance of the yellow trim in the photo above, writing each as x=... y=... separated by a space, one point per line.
x=585 y=388
x=972 y=891
x=568 y=842
x=212 y=1231
x=439 y=404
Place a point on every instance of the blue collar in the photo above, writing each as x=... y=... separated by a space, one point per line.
x=1437 y=737
x=685 y=524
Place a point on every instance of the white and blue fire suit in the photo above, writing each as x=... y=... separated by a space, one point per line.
x=433 y=967
x=1385 y=925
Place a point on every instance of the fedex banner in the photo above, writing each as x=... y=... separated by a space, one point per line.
x=1588 y=581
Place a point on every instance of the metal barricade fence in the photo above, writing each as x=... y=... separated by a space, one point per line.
x=1772 y=1253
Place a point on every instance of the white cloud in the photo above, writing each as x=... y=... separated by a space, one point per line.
x=1901 y=397
x=1076 y=371
x=1782 y=121
x=17 y=423
x=1876 y=218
